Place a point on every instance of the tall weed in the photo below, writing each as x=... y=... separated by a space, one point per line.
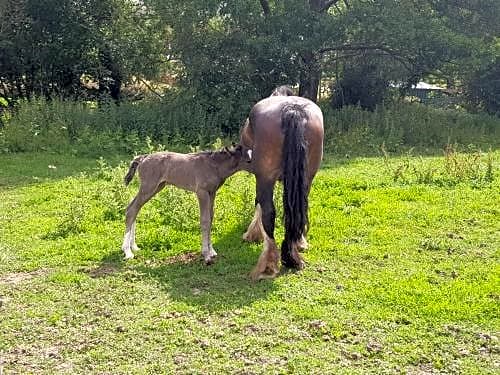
x=473 y=167
x=181 y=123
x=112 y=194
x=352 y=130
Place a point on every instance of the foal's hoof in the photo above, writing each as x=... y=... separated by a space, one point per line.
x=129 y=256
x=209 y=256
x=210 y=260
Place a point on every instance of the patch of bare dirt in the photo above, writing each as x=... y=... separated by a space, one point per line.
x=15 y=278
x=183 y=258
x=103 y=270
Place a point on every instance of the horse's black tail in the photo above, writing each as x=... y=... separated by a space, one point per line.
x=293 y=124
x=133 y=167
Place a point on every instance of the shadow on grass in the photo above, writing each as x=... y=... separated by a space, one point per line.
x=23 y=169
x=185 y=278
x=223 y=285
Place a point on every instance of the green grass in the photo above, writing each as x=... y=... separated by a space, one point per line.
x=402 y=275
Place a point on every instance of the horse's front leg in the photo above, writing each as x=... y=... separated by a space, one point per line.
x=267 y=266
x=206 y=201
x=255 y=231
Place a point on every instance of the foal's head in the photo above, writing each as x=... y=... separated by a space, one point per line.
x=232 y=159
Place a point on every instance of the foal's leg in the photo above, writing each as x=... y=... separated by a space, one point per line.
x=267 y=265
x=206 y=201
x=133 y=244
x=146 y=192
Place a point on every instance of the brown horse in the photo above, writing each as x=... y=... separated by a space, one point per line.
x=285 y=134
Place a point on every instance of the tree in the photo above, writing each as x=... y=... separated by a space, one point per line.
x=243 y=47
x=46 y=47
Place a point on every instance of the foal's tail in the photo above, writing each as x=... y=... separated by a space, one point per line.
x=133 y=167
x=293 y=124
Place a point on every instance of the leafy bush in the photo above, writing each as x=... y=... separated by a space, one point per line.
x=363 y=84
x=86 y=128
x=482 y=89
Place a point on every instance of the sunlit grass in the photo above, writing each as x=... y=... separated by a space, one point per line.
x=401 y=276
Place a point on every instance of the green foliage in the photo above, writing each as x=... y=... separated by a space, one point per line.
x=483 y=88
x=351 y=131
x=84 y=128
x=180 y=123
x=241 y=50
x=362 y=84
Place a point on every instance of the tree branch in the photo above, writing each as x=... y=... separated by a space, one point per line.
x=351 y=47
x=148 y=86
x=384 y=49
x=265 y=7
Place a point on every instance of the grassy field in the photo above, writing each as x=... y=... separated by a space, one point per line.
x=402 y=275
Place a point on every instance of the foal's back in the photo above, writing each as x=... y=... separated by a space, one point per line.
x=187 y=171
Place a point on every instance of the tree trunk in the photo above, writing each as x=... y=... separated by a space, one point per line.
x=311 y=72
x=310 y=77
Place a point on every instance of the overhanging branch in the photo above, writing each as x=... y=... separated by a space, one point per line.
x=328 y=4
x=361 y=48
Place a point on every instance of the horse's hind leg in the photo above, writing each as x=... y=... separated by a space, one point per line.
x=146 y=192
x=267 y=265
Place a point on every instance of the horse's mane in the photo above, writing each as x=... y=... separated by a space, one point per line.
x=215 y=153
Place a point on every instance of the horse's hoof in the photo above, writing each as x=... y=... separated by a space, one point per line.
x=269 y=273
x=292 y=261
x=129 y=256
x=294 y=265
x=302 y=245
x=252 y=237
